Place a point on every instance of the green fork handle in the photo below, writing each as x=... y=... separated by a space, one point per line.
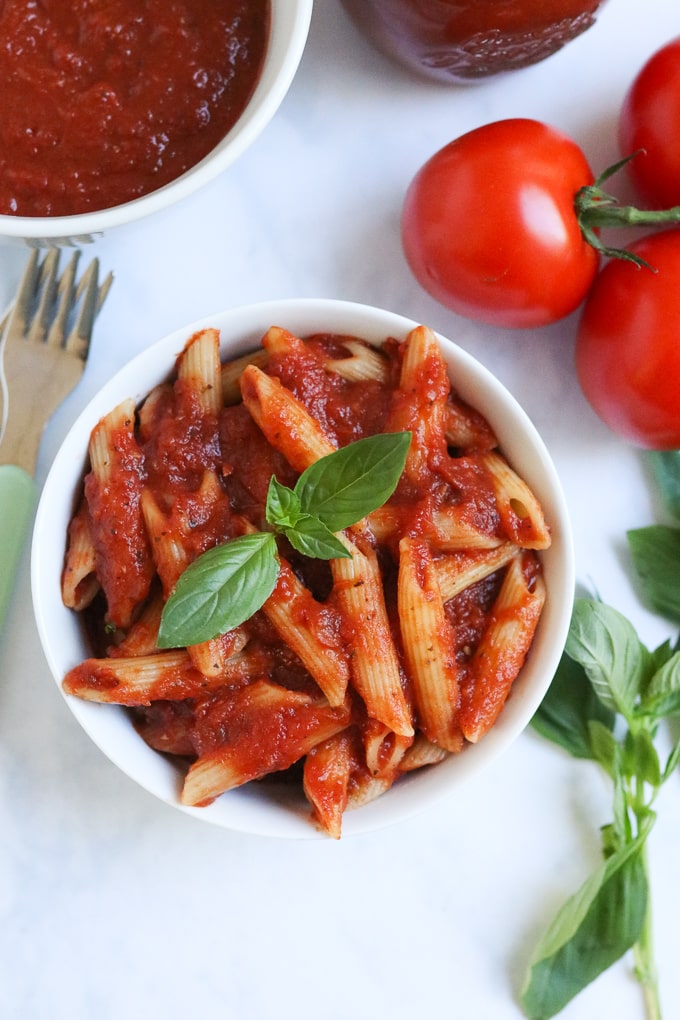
x=17 y=502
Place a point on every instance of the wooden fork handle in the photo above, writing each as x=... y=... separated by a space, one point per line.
x=17 y=502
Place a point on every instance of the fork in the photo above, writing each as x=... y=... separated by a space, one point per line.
x=44 y=343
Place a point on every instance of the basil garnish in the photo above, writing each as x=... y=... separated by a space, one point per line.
x=230 y=582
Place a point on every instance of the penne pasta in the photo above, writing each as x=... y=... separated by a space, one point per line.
x=421 y=753
x=326 y=776
x=312 y=631
x=364 y=362
x=199 y=368
x=419 y=403
x=428 y=646
x=458 y=570
x=503 y=648
x=215 y=657
x=79 y=582
x=383 y=748
x=356 y=669
x=271 y=728
x=284 y=420
x=168 y=676
x=376 y=675
x=520 y=511
x=123 y=555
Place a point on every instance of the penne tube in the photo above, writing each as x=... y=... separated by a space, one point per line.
x=137 y=680
x=113 y=491
x=326 y=775
x=170 y=676
x=214 y=658
x=364 y=362
x=357 y=588
x=199 y=368
x=421 y=753
x=458 y=570
x=446 y=528
x=364 y=788
x=79 y=581
x=419 y=403
x=383 y=748
x=428 y=642
x=311 y=630
x=465 y=429
x=233 y=370
x=169 y=554
x=196 y=521
x=142 y=636
x=520 y=511
x=278 y=341
x=503 y=648
x=153 y=409
x=285 y=422
x=270 y=729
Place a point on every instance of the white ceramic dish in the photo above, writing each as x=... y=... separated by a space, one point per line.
x=268 y=809
x=290 y=21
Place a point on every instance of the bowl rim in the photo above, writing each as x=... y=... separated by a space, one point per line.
x=286 y=814
x=289 y=28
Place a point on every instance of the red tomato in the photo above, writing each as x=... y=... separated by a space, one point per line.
x=628 y=344
x=489 y=228
x=650 y=120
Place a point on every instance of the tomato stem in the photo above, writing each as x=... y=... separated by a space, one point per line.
x=596 y=208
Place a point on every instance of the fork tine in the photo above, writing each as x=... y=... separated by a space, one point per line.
x=45 y=290
x=104 y=290
x=58 y=302
x=26 y=292
x=78 y=339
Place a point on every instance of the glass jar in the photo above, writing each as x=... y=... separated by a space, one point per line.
x=458 y=40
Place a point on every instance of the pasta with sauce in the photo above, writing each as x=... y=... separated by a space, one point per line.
x=356 y=670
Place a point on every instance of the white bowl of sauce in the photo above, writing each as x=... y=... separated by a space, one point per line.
x=272 y=807
x=117 y=114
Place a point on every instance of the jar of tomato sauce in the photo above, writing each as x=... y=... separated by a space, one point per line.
x=456 y=40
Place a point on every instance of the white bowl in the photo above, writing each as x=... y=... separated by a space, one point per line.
x=269 y=809
x=289 y=28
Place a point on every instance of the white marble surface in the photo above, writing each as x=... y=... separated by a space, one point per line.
x=113 y=905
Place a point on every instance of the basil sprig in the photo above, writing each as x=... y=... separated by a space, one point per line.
x=228 y=583
x=606 y=703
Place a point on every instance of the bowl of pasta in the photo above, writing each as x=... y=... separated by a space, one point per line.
x=302 y=569
x=117 y=117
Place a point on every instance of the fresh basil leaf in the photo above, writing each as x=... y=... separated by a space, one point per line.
x=672 y=763
x=567 y=709
x=641 y=758
x=282 y=508
x=662 y=654
x=606 y=748
x=655 y=551
x=662 y=696
x=605 y=643
x=344 y=486
x=665 y=466
x=220 y=590
x=312 y=538
x=594 y=928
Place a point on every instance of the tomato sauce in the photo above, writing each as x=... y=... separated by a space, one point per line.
x=105 y=102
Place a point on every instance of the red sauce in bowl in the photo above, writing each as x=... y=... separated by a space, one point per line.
x=105 y=102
